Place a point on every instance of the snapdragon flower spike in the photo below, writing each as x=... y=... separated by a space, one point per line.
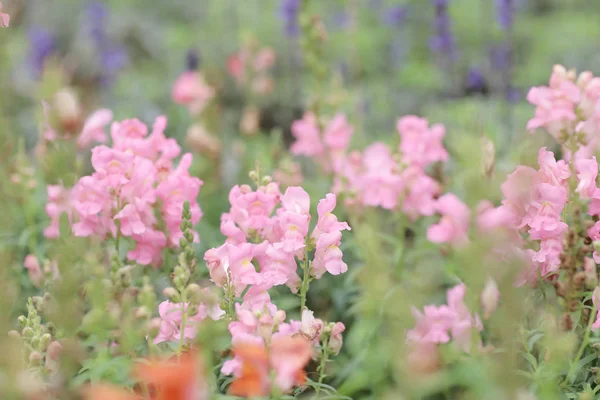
x=375 y=177
x=267 y=231
x=134 y=180
x=569 y=107
x=535 y=201
x=448 y=322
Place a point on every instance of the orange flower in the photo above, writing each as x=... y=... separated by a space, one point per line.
x=173 y=380
x=107 y=392
x=287 y=358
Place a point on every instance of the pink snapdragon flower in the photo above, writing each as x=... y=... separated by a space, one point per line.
x=421 y=145
x=4 y=18
x=171 y=315
x=32 y=265
x=191 y=90
x=454 y=224
x=338 y=132
x=587 y=172
x=380 y=185
x=336 y=341
x=308 y=140
x=438 y=324
x=93 y=128
x=556 y=103
x=58 y=203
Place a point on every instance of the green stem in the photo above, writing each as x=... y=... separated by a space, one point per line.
x=584 y=344
x=324 y=359
x=305 y=283
x=230 y=302
x=183 y=322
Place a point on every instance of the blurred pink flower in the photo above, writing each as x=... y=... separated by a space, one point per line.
x=191 y=90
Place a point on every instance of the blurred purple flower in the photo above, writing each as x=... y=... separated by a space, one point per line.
x=394 y=16
x=500 y=57
x=505 y=13
x=192 y=60
x=475 y=81
x=42 y=44
x=288 y=11
x=513 y=95
x=442 y=41
x=112 y=56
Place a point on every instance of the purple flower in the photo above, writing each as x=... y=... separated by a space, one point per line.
x=289 y=13
x=192 y=59
x=476 y=82
x=112 y=56
x=500 y=56
x=442 y=41
x=505 y=13
x=394 y=16
x=42 y=44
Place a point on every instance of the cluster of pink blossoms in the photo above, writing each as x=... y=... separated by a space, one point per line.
x=377 y=176
x=440 y=324
x=278 y=236
x=171 y=320
x=569 y=105
x=267 y=232
x=250 y=67
x=136 y=191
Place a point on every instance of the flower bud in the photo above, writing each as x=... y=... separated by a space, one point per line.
x=27 y=332
x=54 y=350
x=487 y=156
x=423 y=359
x=253 y=175
x=142 y=313
x=44 y=341
x=202 y=142
x=22 y=320
x=172 y=294
x=336 y=340
x=153 y=327
x=14 y=334
x=36 y=358
x=250 y=121
x=489 y=298
x=194 y=293
x=591 y=277
x=67 y=109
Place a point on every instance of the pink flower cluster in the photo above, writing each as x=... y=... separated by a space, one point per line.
x=250 y=67
x=171 y=320
x=569 y=105
x=377 y=177
x=135 y=182
x=191 y=90
x=259 y=322
x=440 y=324
x=271 y=230
x=536 y=199
x=267 y=232
x=4 y=18
x=332 y=142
